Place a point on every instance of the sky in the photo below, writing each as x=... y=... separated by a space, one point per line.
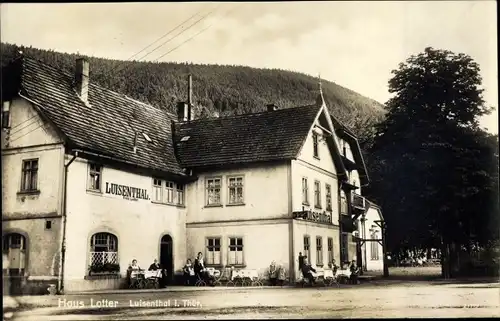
x=354 y=44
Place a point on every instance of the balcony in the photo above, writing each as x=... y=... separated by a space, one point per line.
x=358 y=202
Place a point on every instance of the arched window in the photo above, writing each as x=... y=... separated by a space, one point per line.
x=103 y=253
x=14 y=247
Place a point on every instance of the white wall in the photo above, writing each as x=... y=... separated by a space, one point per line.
x=29 y=137
x=263 y=242
x=27 y=140
x=138 y=225
x=314 y=230
x=325 y=160
x=265 y=192
x=373 y=265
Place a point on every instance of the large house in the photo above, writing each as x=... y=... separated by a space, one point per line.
x=93 y=179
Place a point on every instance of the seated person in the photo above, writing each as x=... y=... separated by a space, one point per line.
x=354 y=272
x=155 y=266
x=201 y=271
x=281 y=275
x=188 y=272
x=134 y=267
x=307 y=270
x=334 y=266
x=273 y=274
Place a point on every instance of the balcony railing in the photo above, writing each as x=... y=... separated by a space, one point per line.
x=358 y=201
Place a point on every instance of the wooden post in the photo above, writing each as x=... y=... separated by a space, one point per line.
x=384 y=250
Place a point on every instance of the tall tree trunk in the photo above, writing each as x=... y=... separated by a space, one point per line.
x=445 y=259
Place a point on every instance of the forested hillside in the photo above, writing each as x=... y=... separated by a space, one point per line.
x=217 y=90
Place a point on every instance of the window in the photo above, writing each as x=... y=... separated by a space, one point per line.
x=315 y=144
x=343 y=203
x=6 y=114
x=103 y=253
x=328 y=189
x=319 y=251
x=157 y=190
x=213 y=191
x=48 y=225
x=235 y=189
x=307 y=247
x=94 y=177
x=30 y=175
x=330 y=250
x=344 y=253
x=169 y=193
x=235 y=256
x=213 y=255
x=374 y=246
x=317 y=194
x=179 y=194
x=305 y=192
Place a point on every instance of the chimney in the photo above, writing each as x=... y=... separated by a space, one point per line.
x=82 y=78
x=190 y=97
x=272 y=107
x=182 y=111
x=134 y=150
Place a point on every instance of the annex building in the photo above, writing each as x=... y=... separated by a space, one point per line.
x=93 y=179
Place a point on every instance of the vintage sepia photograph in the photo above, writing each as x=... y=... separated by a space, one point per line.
x=250 y=160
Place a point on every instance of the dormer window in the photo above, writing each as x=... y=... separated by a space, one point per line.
x=315 y=144
x=6 y=114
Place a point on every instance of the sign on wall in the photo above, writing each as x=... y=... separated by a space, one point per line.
x=128 y=192
x=314 y=216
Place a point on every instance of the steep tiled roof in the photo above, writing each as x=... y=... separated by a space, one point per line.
x=107 y=125
x=266 y=136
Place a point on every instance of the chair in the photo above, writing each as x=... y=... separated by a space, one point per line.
x=255 y=279
x=152 y=279
x=342 y=276
x=319 y=277
x=137 y=280
x=200 y=281
x=220 y=276
x=238 y=277
x=329 y=278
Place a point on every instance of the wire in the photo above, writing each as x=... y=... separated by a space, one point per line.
x=116 y=68
x=23 y=122
x=39 y=126
x=28 y=125
x=169 y=32
x=195 y=35
x=192 y=25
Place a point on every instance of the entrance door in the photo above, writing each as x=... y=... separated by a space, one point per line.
x=166 y=257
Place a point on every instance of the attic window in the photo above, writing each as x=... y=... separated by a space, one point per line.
x=185 y=138
x=146 y=137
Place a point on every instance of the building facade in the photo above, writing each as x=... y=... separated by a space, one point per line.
x=93 y=179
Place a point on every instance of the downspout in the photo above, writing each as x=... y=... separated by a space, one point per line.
x=60 y=283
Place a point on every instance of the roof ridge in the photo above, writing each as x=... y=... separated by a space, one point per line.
x=91 y=84
x=247 y=114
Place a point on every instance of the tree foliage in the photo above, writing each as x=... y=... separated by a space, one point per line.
x=434 y=171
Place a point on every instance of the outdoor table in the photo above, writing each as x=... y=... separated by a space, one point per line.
x=213 y=272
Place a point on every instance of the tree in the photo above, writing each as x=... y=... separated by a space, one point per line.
x=431 y=163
